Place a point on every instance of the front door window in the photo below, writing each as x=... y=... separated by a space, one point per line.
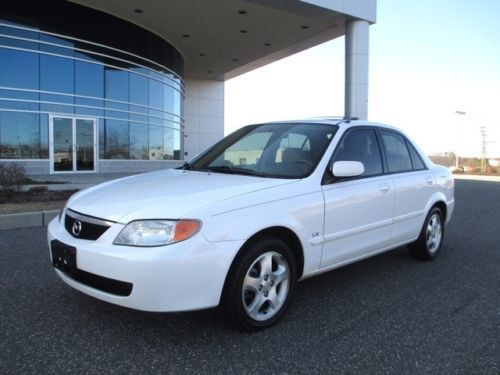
x=73 y=146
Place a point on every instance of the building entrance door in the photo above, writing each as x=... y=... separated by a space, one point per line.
x=72 y=144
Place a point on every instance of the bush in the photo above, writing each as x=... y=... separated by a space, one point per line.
x=12 y=178
x=38 y=190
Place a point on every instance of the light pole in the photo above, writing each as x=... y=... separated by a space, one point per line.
x=458 y=136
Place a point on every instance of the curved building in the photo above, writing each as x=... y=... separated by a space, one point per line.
x=118 y=86
x=75 y=93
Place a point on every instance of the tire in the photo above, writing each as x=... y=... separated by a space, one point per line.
x=430 y=241
x=260 y=284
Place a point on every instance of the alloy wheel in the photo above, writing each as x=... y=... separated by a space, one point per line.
x=434 y=233
x=266 y=286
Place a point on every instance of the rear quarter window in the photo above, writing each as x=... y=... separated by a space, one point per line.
x=416 y=160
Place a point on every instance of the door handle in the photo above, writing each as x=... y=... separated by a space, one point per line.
x=429 y=180
x=384 y=187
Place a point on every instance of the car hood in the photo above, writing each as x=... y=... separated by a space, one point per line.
x=166 y=194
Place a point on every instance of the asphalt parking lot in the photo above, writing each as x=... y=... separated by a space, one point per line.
x=388 y=314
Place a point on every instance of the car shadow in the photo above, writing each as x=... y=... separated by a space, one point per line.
x=333 y=293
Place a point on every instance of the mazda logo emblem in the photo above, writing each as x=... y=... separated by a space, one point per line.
x=77 y=228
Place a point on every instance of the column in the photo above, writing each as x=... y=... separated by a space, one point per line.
x=356 y=69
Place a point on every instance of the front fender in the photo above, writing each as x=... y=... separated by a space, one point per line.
x=302 y=214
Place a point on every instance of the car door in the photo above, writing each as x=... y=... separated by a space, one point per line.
x=358 y=211
x=414 y=184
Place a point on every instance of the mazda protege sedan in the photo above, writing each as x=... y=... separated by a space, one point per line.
x=240 y=224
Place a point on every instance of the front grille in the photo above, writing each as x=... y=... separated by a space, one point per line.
x=85 y=227
x=64 y=259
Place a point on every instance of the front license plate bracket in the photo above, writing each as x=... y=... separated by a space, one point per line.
x=63 y=257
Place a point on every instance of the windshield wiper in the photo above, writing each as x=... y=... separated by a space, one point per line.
x=234 y=170
x=187 y=166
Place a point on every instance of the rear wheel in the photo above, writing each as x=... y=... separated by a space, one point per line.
x=260 y=284
x=429 y=243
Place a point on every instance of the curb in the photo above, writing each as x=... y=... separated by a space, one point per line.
x=27 y=219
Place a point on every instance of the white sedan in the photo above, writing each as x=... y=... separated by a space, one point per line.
x=240 y=224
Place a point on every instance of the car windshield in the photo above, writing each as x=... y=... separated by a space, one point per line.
x=281 y=150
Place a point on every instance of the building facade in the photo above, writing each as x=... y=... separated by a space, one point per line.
x=78 y=97
x=88 y=90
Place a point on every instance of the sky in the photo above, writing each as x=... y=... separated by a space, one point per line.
x=428 y=59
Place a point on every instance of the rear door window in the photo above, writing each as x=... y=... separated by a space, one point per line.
x=396 y=152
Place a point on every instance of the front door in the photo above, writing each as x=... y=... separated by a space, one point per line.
x=358 y=211
x=72 y=144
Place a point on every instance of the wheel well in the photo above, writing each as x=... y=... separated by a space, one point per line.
x=284 y=234
x=442 y=206
x=290 y=238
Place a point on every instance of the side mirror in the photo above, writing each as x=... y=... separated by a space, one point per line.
x=347 y=168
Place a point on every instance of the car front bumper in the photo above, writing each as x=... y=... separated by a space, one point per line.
x=184 y=276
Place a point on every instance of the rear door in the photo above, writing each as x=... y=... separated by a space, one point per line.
x=414 y=184
x=358 y=211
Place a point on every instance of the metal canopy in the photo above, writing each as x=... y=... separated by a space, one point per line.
x=221 y=39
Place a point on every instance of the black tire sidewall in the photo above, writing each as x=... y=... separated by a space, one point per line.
x=419 y=247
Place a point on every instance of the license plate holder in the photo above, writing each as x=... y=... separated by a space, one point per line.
x=63 y=257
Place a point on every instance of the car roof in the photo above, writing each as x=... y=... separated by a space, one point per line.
x=342 y=122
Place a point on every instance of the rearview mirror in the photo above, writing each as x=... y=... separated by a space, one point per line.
x=347 y=168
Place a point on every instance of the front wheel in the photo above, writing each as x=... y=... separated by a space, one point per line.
x=429 y=243
x=260 y=284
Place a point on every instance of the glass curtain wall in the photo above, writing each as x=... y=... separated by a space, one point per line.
x=136 y=101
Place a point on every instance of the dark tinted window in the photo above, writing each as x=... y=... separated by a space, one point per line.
x=75 y=87
x=155 y=142
x=361 y=145
x=57 y=74
x=117 y=140
x=19 y=135
x=156 y=101
x=168 y=143
x=398 y=157
x=55 y=49
x=18 y=69
x=116 y=84
x=89 y=79
x=416 y=160
x=44 y=136
x=139 y=147
x=139 y=90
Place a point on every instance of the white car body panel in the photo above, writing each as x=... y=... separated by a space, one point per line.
x=179 y=191
x=162 y=276
x=358 y=218
x=335 y=224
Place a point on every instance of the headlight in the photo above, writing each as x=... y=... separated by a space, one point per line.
x=156 y=232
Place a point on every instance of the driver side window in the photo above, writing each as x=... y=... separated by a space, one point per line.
x=361 y=145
